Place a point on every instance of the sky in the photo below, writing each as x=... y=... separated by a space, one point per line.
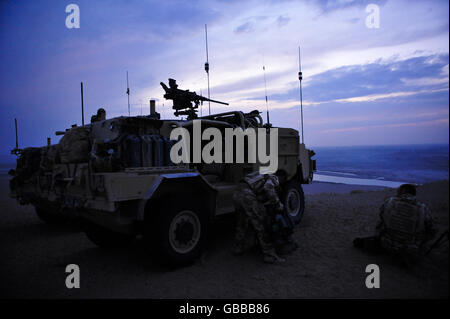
x=361 y=85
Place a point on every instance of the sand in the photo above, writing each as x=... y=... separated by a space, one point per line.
x=34 y=256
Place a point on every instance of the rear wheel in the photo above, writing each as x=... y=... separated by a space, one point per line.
x=176 y=231
x=294 y=200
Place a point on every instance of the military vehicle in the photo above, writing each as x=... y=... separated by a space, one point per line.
x=117 y=176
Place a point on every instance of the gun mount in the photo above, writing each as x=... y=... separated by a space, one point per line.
x=184 y=101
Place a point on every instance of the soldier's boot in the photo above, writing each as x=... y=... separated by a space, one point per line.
x=287 y=248
x=273 y=259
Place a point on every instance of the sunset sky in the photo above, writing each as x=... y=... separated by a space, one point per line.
x=362 y=86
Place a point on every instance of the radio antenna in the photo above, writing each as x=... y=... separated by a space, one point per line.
x=82 y=105
x=300 y=78
x=17 y=137
x=265 y=90
x=128 y=93
x=207 y=67
x=16 y=150
x=201 y=104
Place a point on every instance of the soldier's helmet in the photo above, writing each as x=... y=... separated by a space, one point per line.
x=101 y=114
x=406 y=189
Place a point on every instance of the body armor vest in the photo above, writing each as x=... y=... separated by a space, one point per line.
x=404 y=219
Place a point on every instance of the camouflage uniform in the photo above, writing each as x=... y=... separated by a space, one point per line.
x=250 y=199
x=405 y=225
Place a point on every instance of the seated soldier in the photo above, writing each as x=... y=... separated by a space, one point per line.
x=404 y=227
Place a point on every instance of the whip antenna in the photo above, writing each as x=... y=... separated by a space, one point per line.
x=128 y=93
x=265 y=90
x=82 y=105
x=17 y=137
x=16 y=151
x=300 y=78
x=201 y=104
x=207 y=67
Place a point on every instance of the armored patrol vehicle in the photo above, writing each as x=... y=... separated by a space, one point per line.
x=117 y=175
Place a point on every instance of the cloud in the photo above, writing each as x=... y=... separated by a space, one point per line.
x=244 y=28
x=333 y=5
x=353 y=20
x=443 y=121
x=282 y=21
x=374 y=97
x=43 y=62
x=425 y=81
x=385 y=78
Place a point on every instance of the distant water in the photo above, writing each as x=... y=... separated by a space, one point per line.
x=382 y=165
x=5 y=167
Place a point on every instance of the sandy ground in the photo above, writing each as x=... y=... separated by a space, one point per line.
x=33 y=257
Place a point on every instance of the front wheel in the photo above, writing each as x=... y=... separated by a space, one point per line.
x=294 y=200
x=177 y=230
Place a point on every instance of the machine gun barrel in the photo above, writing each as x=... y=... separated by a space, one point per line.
x=192 y=96
x=201 y=98
x=164 y=87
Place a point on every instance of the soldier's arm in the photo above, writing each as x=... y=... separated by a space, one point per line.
x=430 y=230
x=379 y=229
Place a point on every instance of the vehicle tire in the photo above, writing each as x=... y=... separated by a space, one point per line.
x=104 y=237
x=293 y=200
x=176 y=230
x=48 y=216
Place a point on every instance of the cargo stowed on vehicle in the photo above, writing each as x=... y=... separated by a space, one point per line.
x=118 y=177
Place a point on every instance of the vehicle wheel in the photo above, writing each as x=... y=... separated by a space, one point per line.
x=106 y=238
x=294 y=200
x=48 y=216
x=177 y=231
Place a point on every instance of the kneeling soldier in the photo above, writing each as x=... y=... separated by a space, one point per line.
x=250 y=198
